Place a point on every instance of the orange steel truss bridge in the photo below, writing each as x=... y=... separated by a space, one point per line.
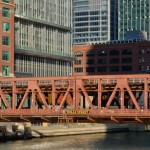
x=101 y=99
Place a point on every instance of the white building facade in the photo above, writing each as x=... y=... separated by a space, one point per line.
x=43 y=40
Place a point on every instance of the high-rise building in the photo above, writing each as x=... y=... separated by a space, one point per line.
x=43 y=40
x=7 y=38
x=133 y=15
x=94 y=21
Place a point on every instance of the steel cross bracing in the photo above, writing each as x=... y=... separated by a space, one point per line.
x=102 y=99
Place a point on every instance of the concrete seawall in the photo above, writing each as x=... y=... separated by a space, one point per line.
x=21 y=131
x=72 y=129
x=138 y=127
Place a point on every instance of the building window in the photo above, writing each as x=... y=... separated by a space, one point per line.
x=126 y=52
x=78 y=69
x=102 y=53
x=114 y=52
x=5 y=70
x=114 y=60
x=144 y=69
x=114 y=69
x=94 y=12
x=6 y=26
x=94 y=29
x=6 y=12
x=141 y=51
x=102 y=69
x=90 y=62
x=78 y=54
x=5 y=40
x=141 y=59
x=102 y=61
x=90 y=69
x=126 y=60
x=126 y=68
x=90 y=53
x=6 y=55
x=78 y=62
x=6 y=1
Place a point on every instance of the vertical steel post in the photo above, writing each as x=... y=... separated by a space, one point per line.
x=99 y=98
x=77 y=94
x=145 y=94
x=33 y=99
x=14 y=95
x=53 y=94
x=122 y=99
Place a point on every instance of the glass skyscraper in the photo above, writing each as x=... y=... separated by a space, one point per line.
x=94 y=21
x=133 y=15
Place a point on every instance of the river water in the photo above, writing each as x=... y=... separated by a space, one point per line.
x=102 y=141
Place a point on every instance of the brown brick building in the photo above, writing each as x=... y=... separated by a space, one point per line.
x=7 y=38
x=121 y=57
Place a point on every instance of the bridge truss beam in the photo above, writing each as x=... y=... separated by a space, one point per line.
x=112 y=98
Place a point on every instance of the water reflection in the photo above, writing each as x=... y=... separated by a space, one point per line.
x=110 y=141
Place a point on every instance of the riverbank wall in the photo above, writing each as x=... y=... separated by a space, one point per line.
x=19 y=131
x=73 y=129
x=138 y=127
x=24 y=131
